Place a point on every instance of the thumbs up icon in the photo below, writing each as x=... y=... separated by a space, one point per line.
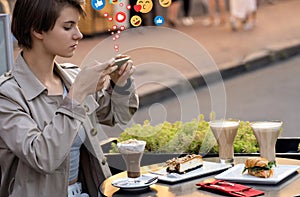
x=159 y=20
x=98 y=4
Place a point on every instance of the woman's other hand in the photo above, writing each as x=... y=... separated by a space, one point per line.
x=91 y=79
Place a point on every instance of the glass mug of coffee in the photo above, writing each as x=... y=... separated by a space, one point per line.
x=132 y=151
x=266 y=133
x=225 y=132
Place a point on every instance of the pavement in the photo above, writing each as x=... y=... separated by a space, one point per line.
x=166 y=58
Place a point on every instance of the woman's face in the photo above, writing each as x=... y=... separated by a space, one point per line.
x=63 y=39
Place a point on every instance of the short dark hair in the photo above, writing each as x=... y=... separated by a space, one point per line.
x=38 y=15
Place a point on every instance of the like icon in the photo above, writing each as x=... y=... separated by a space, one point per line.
x=98 y=4
x=159 y=20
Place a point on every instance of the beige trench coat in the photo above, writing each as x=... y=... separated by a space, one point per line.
x=37 y=132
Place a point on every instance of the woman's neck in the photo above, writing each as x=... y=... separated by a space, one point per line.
x=42 y=66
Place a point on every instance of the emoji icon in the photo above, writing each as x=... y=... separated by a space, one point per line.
x=165 y=3
x=137 y=8
x=98 y=4
x=114 y=1
x=146 y=5
x=159 y=20
x=120 y=17
x=136 y=20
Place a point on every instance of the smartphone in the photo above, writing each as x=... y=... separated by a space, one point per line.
x=120 y=61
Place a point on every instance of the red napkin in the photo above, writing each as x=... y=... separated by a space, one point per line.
x=232 y=189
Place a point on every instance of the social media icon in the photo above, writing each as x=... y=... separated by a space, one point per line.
x=120 y=17
x=136 y=20
x=137 y=8
x=114 y=1
x=98 y=4
x=159 y=20
x=146 y=5
x=165 y=3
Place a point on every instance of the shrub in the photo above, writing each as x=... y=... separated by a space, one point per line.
x=186 y=137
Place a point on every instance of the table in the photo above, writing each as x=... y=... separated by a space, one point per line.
x=289 y=187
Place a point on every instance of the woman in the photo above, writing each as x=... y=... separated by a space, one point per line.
x=49 y=112
x=214 y=19
x=243 y=13
x=187 y=20
x=173 y=12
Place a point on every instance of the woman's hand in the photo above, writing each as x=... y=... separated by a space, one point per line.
x=120 y=76
x=91 y=79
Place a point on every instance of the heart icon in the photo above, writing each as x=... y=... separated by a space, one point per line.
x=137 y=8
x=120 y=17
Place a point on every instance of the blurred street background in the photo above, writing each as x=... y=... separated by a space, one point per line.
x=268 y=91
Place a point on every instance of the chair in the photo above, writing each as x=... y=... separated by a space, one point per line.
x=6 y=44
x=287 y=147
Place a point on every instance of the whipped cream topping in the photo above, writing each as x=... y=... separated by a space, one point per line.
x=131 y=145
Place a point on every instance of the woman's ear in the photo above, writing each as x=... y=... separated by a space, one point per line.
x=38 y=35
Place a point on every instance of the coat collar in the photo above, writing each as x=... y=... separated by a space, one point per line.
x=29 y=82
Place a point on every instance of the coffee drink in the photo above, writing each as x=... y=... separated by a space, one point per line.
x=266 y=134
x=132 y=152
x=225 y=132
x=132 y=161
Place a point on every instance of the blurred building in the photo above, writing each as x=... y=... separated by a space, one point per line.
x=5 y=6
x=95 y=22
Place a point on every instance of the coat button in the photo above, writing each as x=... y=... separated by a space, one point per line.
x=86 y=108
x=7 y=74
x=104 y=160
x=94 y=132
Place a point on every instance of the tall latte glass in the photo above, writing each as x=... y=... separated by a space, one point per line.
x=132 y=151
x=225 y=132
x=266 y=133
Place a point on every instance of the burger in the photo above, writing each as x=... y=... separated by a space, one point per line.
x=259 y=167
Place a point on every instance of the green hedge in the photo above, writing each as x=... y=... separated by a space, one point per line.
x=186 y=137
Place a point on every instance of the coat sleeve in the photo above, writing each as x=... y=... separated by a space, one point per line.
x=116 y=104
x=44 y=150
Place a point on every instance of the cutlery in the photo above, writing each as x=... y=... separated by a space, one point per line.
x=150 y=180
x=217 y=186
x=137 y=180
x=240 y=192
x=127 y=182
x=159 y=173
x=170 y=175
x=245 y=189
x=225 y=183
